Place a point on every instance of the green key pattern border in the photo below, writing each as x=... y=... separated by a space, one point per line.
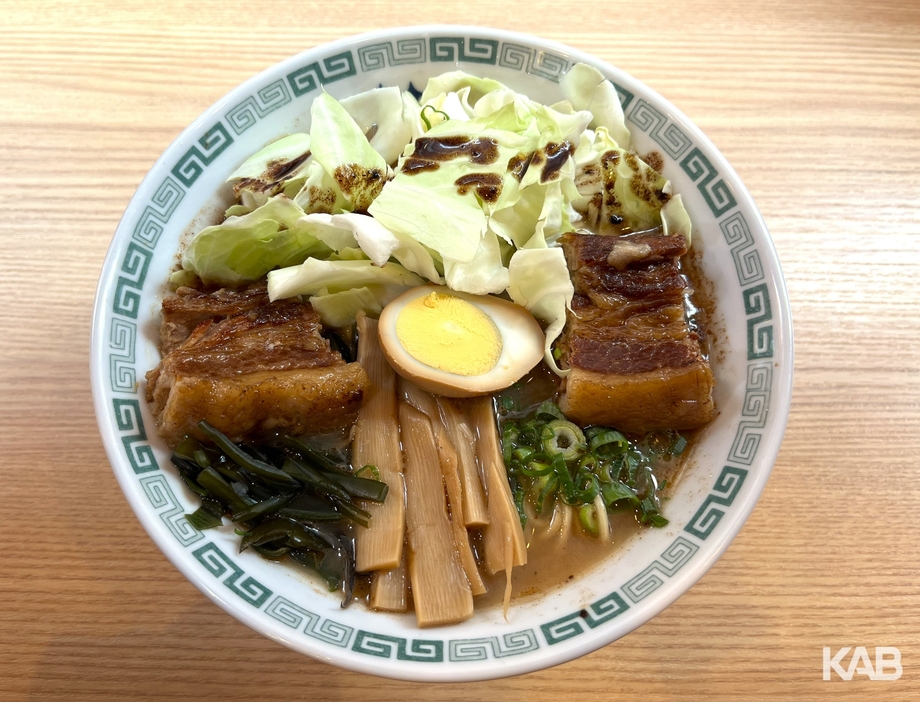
x=132 y=275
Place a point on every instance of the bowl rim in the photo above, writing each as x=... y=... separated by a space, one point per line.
x=638 y=614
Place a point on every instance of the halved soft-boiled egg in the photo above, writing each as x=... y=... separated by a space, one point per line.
x=456 y=344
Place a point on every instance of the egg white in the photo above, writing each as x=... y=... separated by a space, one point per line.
x=521 y=336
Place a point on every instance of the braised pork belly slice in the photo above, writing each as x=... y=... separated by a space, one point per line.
x=251 y=374
x=189 y=307
x=635 y=362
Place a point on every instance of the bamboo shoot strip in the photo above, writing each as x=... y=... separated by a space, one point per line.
x=447 y=455
x=440 y=589
x=423 y=401
x=376 y=442
x=427 y=404
x=505 y=523
x=463 y=437
x=389 y=588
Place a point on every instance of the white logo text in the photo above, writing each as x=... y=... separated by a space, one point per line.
x=887 y=663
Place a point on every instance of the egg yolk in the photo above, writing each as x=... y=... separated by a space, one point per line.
x=449 y=334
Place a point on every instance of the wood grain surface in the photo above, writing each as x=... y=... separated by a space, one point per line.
x=814 y=102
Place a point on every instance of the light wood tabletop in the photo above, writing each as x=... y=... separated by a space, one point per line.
x=814 y=102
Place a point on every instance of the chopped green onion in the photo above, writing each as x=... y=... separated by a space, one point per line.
x=537 y=469
x=522 y=453
x=548 y=487
x=519 y=495
x=370 y=469
x=614 y=492
x=679 y=445
x=549 y=410
x=562 y=437
x=587 y=486
x=587 y=515
x=605 y=437
x=436 y=111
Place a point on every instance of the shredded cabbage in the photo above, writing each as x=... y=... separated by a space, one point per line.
x=350 y=204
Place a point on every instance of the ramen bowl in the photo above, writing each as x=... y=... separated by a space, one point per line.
x=722 y=479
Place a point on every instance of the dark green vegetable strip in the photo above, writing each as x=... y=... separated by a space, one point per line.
x=207 y=516
x=188 y=471
x=361 y=488
x=309 y=508
x=292 y=533
x=314 y=478
x=202 y=519
x=308 y=515
x=211 y=481
x=229 y=470
x=311 y=454
x=260 y=509
x=272 y=553
x=354 y=513
x=347 y=568
x=264 y=470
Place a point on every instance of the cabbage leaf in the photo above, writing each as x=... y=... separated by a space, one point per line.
x=631 y=193
x=246 y=247
x=539 y=280
x=340 y=309
x=352 y=170
x=390 y=116
x=586 y=89
x=316 y=277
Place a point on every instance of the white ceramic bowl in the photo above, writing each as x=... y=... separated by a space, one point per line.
x=728 y=468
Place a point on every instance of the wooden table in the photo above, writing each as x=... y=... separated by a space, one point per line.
x=815 y=103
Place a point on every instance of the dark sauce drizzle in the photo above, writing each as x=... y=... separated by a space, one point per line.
x=488 y=185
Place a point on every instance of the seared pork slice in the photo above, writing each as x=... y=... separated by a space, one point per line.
x=251 y=374
x=635 y=362
x=188 y=308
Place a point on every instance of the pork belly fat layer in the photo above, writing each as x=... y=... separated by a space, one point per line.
x=636 y=363
x=256 y=405
x=666 y=398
